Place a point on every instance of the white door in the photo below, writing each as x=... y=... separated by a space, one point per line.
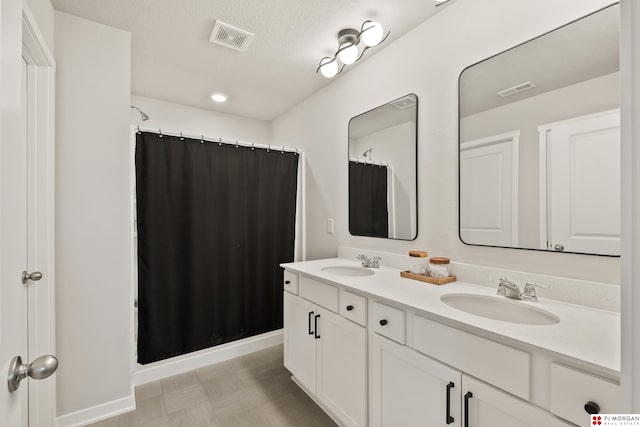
x=410 y=389
x=13 y=260
x=489 y=190
x=485 y=406
x=299 y=340
x=583 y=184
x=342 y=368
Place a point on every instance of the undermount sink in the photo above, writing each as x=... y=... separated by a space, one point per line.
x=344 y=270
x=500 y=308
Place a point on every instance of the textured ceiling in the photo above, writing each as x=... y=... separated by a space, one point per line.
x=173 y=60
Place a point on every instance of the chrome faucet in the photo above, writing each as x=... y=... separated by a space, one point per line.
x=509 y=289
x=373 y=262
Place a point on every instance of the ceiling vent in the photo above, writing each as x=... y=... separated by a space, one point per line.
x=517 y=89
x=229 y=36
x=405 y=102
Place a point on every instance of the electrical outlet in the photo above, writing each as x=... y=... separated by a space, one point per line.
x=329 y=225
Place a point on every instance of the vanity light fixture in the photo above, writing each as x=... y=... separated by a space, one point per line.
x=441 y=2
x=349 y=48
x=219 y=97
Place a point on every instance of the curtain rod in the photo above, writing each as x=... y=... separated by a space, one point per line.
x=369 y=162
x=220 y=140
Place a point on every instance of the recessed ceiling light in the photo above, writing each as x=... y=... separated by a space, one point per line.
x=219 y=97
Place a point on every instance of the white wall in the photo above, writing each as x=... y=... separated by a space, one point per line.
x=93 y=248
x=591 y=96
x=426 y=61
x=171 y=117
x=630 y=70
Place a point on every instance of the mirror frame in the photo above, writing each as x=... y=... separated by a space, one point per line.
x=416 y=168
x=459 y=133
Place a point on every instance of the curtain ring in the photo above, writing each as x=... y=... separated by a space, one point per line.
x=139 y=130
x=181 y=137
x=253 y=148
x=201 y=139
x=160 y=132
x=236 y=143
x=268 y=148
x=220 y=141
x=282 y=150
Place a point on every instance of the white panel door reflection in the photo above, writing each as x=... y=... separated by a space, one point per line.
x=489 y=190
x=582 y=207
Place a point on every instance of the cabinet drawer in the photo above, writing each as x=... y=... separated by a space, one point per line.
x=388 y=321
x=497 y=364
x=291 y=282
x=572 y=389
x=320 y=293
x=353 y=307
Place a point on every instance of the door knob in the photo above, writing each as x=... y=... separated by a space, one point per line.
x=35 y=276
x=559 y=247
x=41 y=368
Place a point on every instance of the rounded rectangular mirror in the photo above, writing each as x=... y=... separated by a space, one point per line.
x=539 y=141
x=382 y=171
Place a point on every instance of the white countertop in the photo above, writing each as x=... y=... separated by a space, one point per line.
x=585 y=336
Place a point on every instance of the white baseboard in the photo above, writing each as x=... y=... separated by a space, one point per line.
x=98 y=412
x=188 y=362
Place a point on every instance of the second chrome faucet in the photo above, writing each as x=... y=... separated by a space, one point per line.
x=509 y=289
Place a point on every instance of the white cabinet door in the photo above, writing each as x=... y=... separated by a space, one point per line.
x=409 y=389
x=485 y=406
x=299 y=341
x=342 y=368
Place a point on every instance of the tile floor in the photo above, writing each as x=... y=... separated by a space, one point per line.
x=250 y=391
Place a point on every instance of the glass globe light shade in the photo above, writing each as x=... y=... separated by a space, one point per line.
x=372 y=34
x=329 y=69
x=349 y=54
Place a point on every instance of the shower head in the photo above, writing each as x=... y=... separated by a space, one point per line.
x=144 y=116
x=370 y=151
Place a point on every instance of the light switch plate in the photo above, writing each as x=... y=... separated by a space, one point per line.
x=329 y=225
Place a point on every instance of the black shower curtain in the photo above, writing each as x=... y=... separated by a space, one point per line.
x=214 y=223
x=368 y=212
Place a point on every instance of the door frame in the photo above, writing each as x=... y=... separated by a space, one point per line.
x=41 y=70
x=543 y=132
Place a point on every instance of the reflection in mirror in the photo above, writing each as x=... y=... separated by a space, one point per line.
x=540 y=142
x=382 y=171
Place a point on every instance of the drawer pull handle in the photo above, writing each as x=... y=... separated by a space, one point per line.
x=449 y=419
x=317 y=335
x=310 y=316
x=349 y=307
x=467 y=396
x=287 y=282
x=592 y=408
x=383 y=322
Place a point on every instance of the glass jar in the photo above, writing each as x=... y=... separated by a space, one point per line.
x=439 y=267
x=419 y=262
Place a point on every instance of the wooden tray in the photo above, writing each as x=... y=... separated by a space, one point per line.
x=432 y=280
